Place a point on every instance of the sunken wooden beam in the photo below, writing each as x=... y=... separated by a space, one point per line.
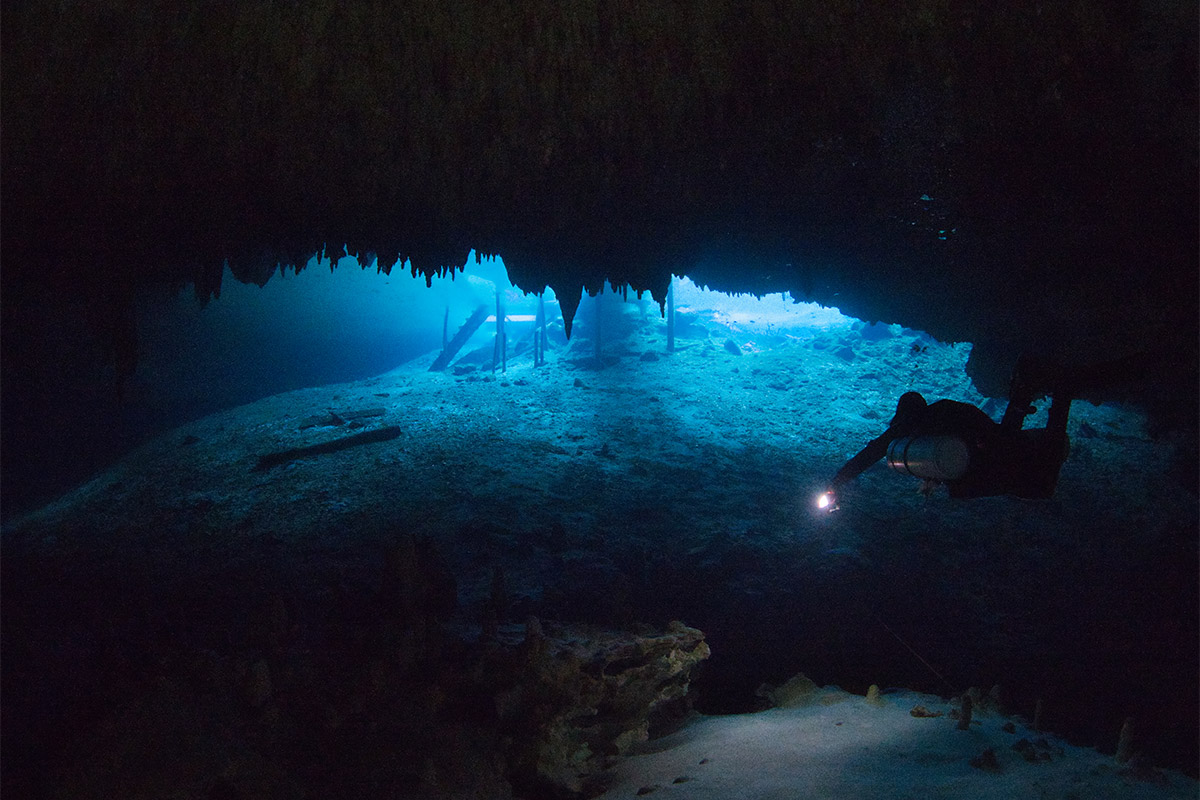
x=545 y=333
x=367 y=437
x=500 y=348
x=464 y=333
x=539 y=333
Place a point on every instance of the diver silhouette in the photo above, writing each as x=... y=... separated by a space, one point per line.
x=957 y=444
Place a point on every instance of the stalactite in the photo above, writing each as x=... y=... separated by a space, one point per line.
x=568 y=296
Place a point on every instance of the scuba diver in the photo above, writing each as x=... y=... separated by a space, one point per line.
x=959 y=445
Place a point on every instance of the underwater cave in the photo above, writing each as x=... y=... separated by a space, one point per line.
x=427 y=400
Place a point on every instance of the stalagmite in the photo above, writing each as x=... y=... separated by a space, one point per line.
x=1125 y=741
x=964 y=721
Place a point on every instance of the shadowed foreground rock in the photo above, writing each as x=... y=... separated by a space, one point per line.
x=335 y=687
x=583 y=696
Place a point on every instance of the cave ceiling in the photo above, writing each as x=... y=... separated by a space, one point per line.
x=1013 y=174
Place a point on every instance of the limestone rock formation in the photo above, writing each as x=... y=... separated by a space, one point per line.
x=585 y=696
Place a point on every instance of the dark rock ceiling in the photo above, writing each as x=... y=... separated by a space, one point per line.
x=1013 y=174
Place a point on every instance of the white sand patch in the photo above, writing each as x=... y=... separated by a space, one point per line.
x=844 y=747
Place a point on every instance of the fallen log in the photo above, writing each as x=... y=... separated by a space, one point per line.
x=366 y=437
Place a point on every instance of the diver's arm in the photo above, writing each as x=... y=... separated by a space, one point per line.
x=875 y=450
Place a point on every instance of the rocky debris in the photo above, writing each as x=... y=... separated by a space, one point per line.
x=1037 y=751
x=335 y=418
x=326 y=420
x=986 y=761
x=922 y=712
x=798 y=691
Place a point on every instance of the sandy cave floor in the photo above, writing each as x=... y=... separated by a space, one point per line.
x=838 y=745
x=649 y=486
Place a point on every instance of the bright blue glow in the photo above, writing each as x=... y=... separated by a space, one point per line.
x=322 y=326
x=309 y=328
x=772 y=312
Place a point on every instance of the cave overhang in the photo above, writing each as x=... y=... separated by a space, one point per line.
x=1020 y=177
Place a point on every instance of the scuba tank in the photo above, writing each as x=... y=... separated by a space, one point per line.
x=934 y=458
